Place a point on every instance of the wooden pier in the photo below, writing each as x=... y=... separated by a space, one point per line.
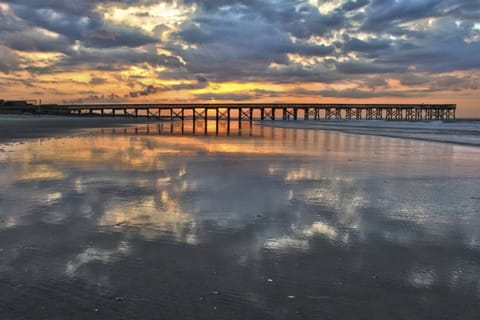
x=250 y=112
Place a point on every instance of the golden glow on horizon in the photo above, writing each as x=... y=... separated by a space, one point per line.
x=231 y=87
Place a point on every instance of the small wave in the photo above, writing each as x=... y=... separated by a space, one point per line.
x=457 y=132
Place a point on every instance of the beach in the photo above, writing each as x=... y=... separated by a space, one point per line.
x=22 y=128
x=285 y=220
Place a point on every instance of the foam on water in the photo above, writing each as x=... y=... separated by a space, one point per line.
x=465 y=132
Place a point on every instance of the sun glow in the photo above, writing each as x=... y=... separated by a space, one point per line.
x=147 y=18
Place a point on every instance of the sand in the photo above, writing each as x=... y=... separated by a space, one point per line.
x=21 y=128
x=279 y=223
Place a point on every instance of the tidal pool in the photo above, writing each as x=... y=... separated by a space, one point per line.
x=266 y=223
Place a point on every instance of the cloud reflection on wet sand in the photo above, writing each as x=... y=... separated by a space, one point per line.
x=318 y=213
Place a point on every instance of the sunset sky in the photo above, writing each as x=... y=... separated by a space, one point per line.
x=363 y=51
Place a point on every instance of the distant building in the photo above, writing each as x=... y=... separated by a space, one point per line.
x=15 y=103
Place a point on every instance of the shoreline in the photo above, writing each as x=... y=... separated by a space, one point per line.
x=464 y=132
x=460 y=132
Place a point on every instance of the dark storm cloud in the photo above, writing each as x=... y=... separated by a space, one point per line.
x=241 y=42
x=70 y=7
x=313 y=50
x=229 y=46
x=385 y=13
x=437 y=56
x=116 y=59
x=308 y=21
x=296 y=73
x=78 y=22
x=440 y=83
x=354 y=5
x=372 y=45
x=360 y=41
x=34 y=40
x=10 y=23
x=226 y=50
x=363 y=67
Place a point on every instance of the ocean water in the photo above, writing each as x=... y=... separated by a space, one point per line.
x=465 y=132
x=161 y=222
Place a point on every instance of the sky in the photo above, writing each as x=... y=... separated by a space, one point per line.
x=181 y=51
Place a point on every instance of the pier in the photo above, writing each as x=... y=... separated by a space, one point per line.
x=250 y=112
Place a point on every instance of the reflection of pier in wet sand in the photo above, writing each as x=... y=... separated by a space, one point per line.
x=190 y=128
x=251 y=112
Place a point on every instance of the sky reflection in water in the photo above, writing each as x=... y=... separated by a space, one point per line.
x=259 y=217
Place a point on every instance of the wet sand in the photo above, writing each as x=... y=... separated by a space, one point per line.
x=274 y=223
x=20 y=128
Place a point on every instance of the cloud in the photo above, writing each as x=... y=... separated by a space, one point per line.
x=223 y=96
x=94 y=97
x=366 y=67
x=35 y=40
x=354 y=5
x=230 y=44
x=200 y=83
x=352 y=93
x=78 y=23
x=295 y=73
x=238 y=42
x=372 y=44
x=94 y=80
x=444 y=82
x=8 y=60
x=116 y=59
x=148 y=90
